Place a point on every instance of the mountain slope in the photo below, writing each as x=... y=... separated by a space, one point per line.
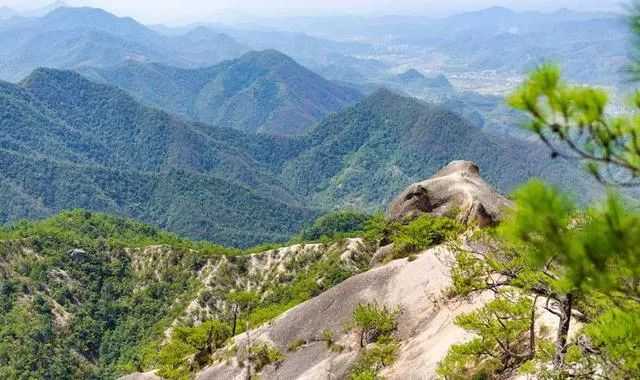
x=388 y=141
x=265 y=92
x=75 y=301
x=67 y=142
x=86 y=295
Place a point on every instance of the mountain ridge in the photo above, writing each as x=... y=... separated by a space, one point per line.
x=263 y=92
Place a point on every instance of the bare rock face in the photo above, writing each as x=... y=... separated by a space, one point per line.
x=455 y=189
x=417 y=287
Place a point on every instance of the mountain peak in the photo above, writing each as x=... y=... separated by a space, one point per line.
x=64 y=18
x=45 y=74
x=268 y=58
x=384 y=95
x=451 y=189
x=411 y=75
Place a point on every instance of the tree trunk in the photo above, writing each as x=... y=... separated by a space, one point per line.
x=235 y=319
x=532 y=330
x=566 y=307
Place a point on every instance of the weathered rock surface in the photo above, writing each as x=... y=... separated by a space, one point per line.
x=141 y=376
x=457 y=188
x=425 y=326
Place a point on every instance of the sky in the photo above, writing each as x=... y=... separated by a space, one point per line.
x=184 y=11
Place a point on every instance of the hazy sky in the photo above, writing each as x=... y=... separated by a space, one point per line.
x=172 y=11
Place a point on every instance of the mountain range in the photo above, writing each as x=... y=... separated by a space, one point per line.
x=77 y=37
x=67 y=142
x=260 y=92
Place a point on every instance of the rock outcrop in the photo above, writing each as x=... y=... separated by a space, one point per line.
x=458 y=189
x=417 y=287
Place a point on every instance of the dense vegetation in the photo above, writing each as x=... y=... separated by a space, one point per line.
x=76 y=303
x=265 y=92
x=106 y=288
x=66 y=142
x=367 y=154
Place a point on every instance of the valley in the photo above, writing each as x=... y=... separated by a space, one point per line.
x=343 y=195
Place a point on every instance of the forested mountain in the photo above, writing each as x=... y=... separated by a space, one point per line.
x=75 y=37
x=263 y=92
x=363 y=155
x=67 y=142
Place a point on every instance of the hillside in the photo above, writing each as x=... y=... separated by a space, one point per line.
x=260 y=92
x=365 y=154
x=67 y=142
x=116 y=294
x=76 y=301
x=87 y=295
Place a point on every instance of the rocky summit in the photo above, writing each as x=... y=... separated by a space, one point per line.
x=458 y=189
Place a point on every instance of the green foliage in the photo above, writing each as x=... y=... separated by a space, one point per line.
x=72 y=143
x=424 y=232
x=295 y=345
x=573 y=122
x=241 y=94
x=364 y=155
x=374 y=321
x=137 y=161
x=262 y=354
x=375 y=325
x=199 y=342
x=259 y=306
x=374 y=358
x=85 y=227
x=336 y=225
x=597 y=253
x=88 y=296
x=502 y=330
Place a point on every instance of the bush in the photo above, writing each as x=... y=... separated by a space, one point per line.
x=335 y=225
x=374 y=358
x=374 y=322
x=263 y=354
x=424 y=232
x=295 y=345
x=200 y=341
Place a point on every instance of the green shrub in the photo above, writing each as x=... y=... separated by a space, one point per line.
x=328 y=337
x=374 y=322
x=200 y=342
x=374 y=358
x=334 y=225
x=295 y=345
x=262 y=354
x=422 y=233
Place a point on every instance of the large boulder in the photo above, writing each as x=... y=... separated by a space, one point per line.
x=456 y=189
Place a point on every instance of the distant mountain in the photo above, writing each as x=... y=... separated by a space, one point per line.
x=69 y=38
x=363 y=155
x=69 y=18
x=66 y=142
x=263 y=92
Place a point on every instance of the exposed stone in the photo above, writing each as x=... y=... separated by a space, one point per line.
x=457 y=189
